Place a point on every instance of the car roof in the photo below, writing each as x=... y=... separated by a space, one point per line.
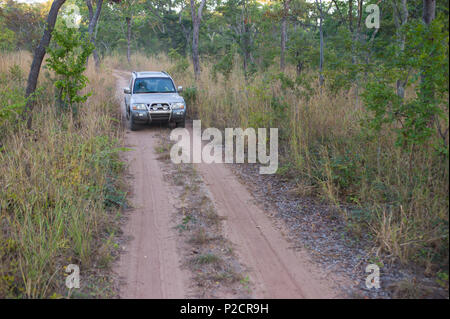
x=150 y=74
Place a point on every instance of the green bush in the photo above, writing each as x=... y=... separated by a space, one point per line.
x=190 y=95
x=68 y=60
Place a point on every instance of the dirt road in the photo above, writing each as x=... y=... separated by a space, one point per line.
x=150 y=264
x=151 y=267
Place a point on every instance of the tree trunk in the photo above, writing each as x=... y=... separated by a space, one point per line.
x=195 y=58
x=429 y=11
x=95 y=52
x=428 y=15
x=356 y=37
x=400 y=19
x=196 y=19
x=128 y=19
x=350 y=15
x=246 y=38
x=299 y=66
x=186 y=32
x=355 y=34
x=93 y=20
x=283 y=43
x=284 y=34
x=39 y=54
x=321 y=54
x=319 y=5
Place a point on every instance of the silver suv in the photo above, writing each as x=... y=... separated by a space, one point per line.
x=152 y=97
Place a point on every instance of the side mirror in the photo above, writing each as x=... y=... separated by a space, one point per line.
x=180 y=89
x=126 y=90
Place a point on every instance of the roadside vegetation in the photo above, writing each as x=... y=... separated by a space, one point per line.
x=59 y=182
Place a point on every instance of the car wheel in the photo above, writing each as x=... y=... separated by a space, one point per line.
x=133 y=126
x=181 y=124
x=172 y=125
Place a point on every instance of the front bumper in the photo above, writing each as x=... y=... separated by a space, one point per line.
x=144 y=116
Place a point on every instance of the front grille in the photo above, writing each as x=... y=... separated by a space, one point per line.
x=160 y=116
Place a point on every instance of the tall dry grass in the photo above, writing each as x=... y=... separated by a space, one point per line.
x=399 y=197
x=58 y=182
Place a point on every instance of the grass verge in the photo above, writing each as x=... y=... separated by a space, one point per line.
x=60 y=183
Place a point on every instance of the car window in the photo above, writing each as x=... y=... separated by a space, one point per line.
x=153 y=85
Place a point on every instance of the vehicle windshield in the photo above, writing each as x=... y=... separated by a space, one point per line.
x=153 y=85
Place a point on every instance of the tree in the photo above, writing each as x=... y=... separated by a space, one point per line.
x=319 y=7
x=93 y=20
x=7 y=39
x=38 y=56
x=186 y=30
x=301 y=44
x=25 y=20
x=424 y=55
x=400 y=19
x=240 y=20
x=429 y=11
x=301 y=51
x=128 y=10
x=196 y=13
x=284 y=19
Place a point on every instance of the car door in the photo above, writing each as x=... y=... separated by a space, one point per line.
x=128 y=96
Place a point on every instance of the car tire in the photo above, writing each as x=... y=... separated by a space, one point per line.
x=172 y=125
x=133 y=126
x=181 y=124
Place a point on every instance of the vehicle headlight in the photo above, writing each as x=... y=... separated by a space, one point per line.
x=177 y=105
x=139 y=106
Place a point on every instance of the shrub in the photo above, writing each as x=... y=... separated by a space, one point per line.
x=68 y=61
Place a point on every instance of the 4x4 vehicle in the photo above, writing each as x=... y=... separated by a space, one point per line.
x=152 y=97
